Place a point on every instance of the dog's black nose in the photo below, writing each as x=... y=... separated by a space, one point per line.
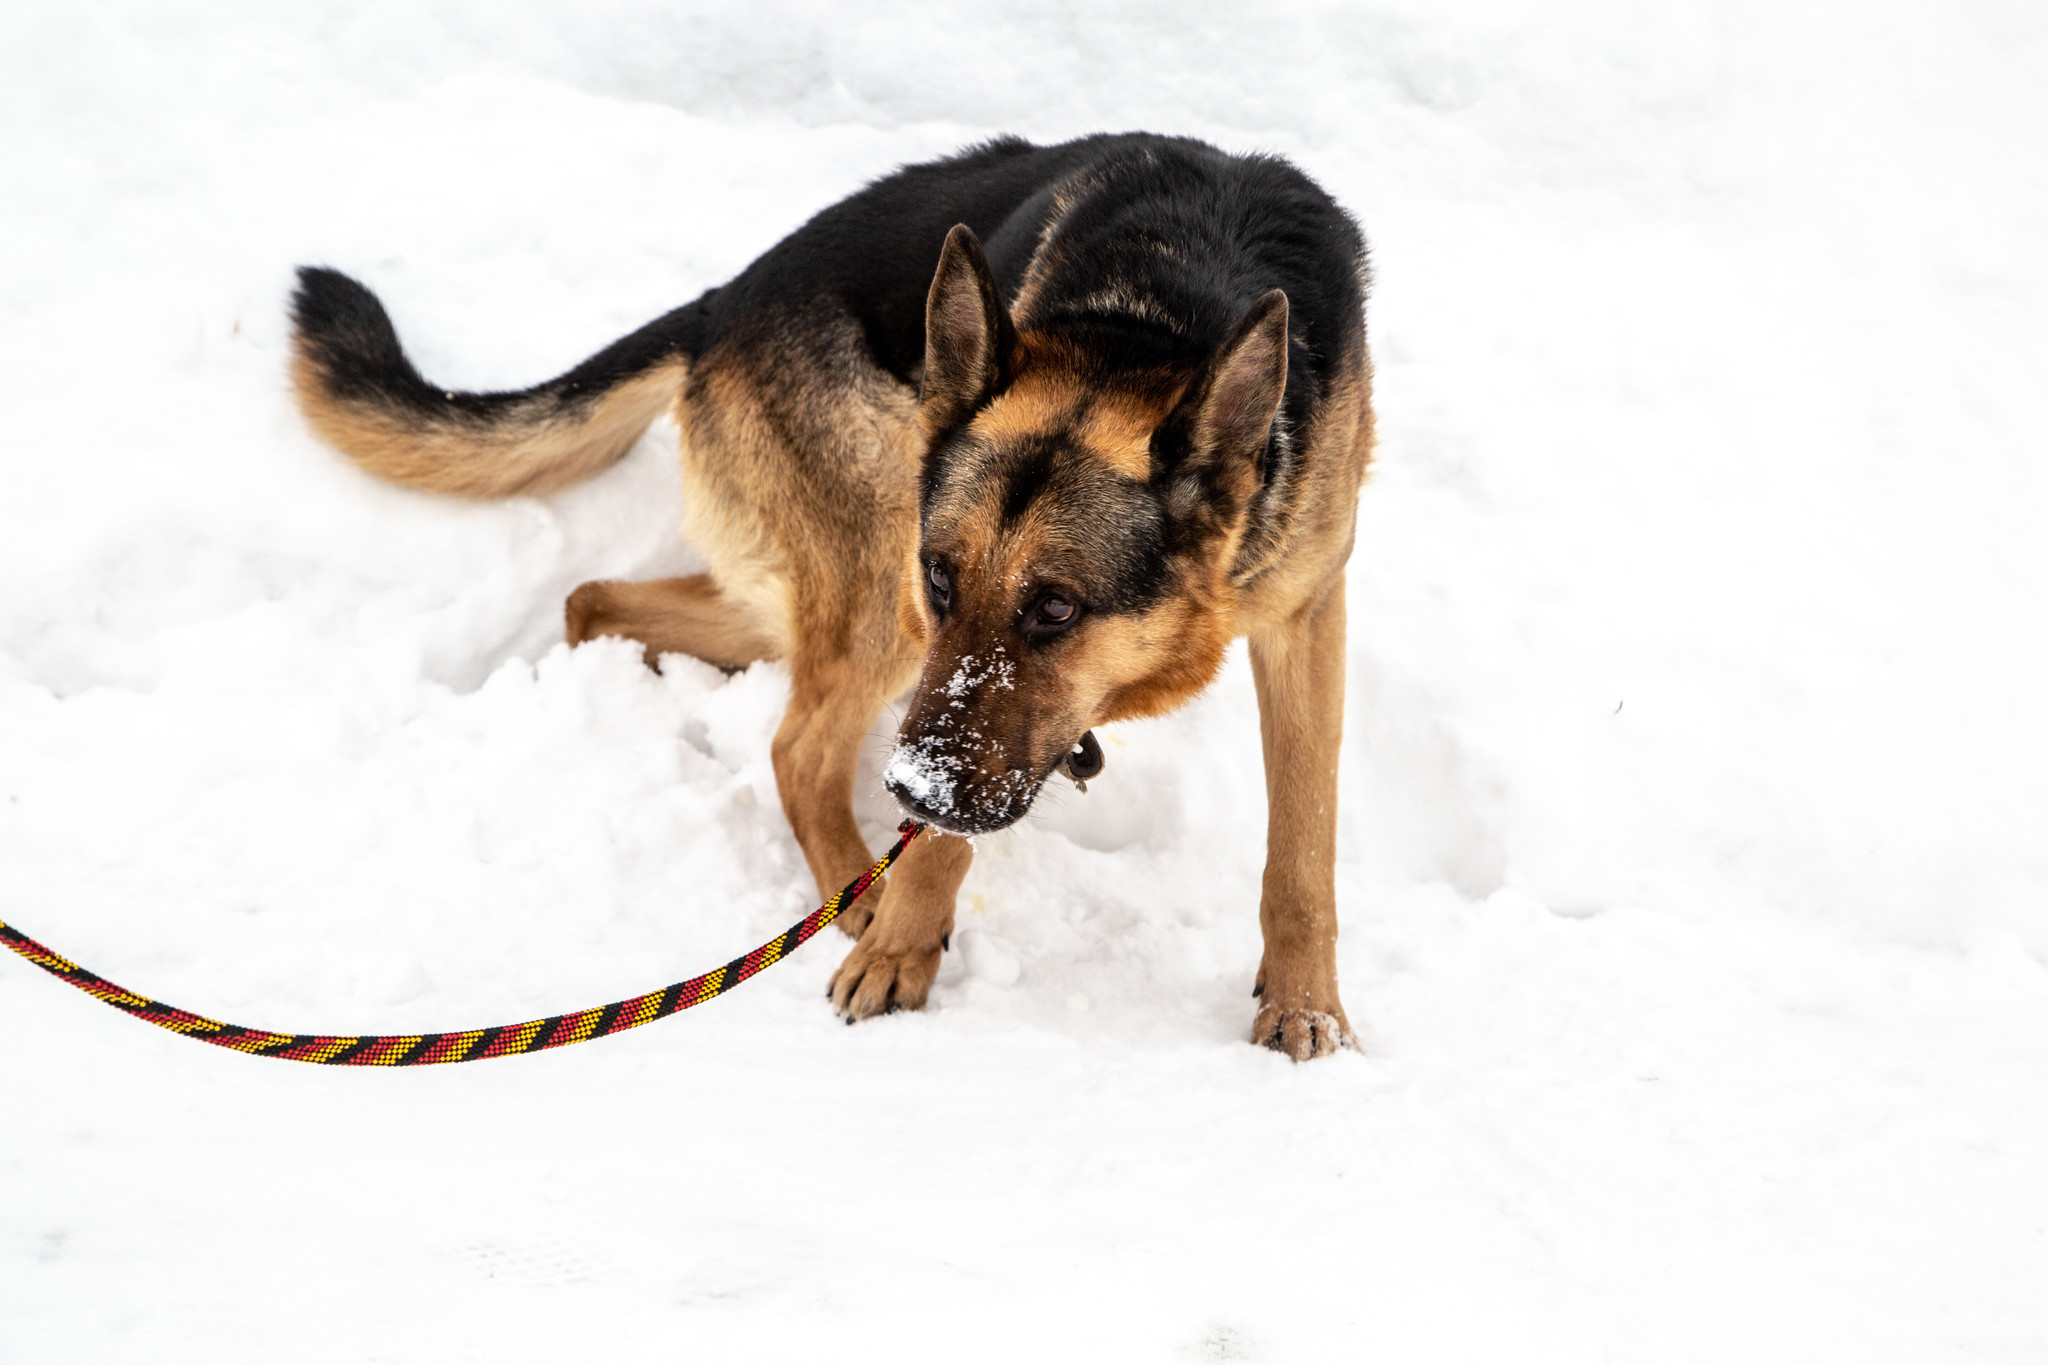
x=926 y=793
x=912 y=806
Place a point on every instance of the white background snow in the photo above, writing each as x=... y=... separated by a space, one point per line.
x=1694 y=864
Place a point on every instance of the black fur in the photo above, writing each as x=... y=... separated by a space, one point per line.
x=1232 y=227
x=1162 y=247
x=1111 y=533
x=345 y=330
x=1194 y=235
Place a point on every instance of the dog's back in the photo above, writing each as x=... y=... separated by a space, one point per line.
x=1166 y=239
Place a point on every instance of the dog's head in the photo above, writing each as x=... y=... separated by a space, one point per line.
x=1078 y=528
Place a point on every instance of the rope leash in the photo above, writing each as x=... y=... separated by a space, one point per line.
x=471 y=1045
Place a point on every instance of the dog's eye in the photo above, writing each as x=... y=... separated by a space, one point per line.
x=942 y=583
x=1051 y=615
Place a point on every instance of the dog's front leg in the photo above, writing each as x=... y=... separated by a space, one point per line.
x=893 y=965
x=1298 y=667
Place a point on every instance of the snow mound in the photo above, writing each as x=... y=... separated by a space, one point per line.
x=1694 y=901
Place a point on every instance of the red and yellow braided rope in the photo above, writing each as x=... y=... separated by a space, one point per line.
x=470 y=1045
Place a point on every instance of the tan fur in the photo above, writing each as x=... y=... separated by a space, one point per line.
x=897 y=959
x=1115 y=427
x=839 y=595
x=671 y=616
x=801 y=493
x=1036 y=401
x=1289 y=601
x=1118 y=428
x=800 y=464
x=537 y=452
x=1298 y=668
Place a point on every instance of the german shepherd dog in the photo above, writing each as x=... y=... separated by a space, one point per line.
x=1037 y=429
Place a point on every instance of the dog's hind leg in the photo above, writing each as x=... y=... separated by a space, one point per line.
x=670 y=616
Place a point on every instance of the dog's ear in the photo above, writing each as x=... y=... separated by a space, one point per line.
x=968 y=336
x=1209 y=445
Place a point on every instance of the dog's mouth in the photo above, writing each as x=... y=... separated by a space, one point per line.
x=937 y=787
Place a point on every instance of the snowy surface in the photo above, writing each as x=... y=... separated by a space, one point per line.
x=1694 y=861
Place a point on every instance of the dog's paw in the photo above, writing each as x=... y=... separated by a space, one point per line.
x=583 y=614
x=1303 y=1034
x=1299 y=1013
x=872 y=981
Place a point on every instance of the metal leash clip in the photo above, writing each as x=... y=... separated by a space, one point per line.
x=1084 y=763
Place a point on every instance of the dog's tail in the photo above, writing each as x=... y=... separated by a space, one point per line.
x=359 y=391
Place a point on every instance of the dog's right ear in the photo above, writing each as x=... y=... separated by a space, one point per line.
x=1211 y=445
x=968 y=336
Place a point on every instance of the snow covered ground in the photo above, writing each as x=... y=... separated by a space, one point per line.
x=1694 y=869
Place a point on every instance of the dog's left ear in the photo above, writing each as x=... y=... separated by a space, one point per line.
x=1209 y=445
x=968 y=335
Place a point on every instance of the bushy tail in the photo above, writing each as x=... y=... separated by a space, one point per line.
x=359 y=391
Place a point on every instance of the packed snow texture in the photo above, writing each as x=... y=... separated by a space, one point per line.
x=1691 y=869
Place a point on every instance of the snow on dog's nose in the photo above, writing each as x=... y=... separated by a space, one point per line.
x=965 y=758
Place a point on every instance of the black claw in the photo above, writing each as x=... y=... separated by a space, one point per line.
x=945 y=943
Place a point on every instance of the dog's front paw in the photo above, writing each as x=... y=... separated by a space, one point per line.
x=1303 y=1034
x=873 y=981
x=1299 y=1013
